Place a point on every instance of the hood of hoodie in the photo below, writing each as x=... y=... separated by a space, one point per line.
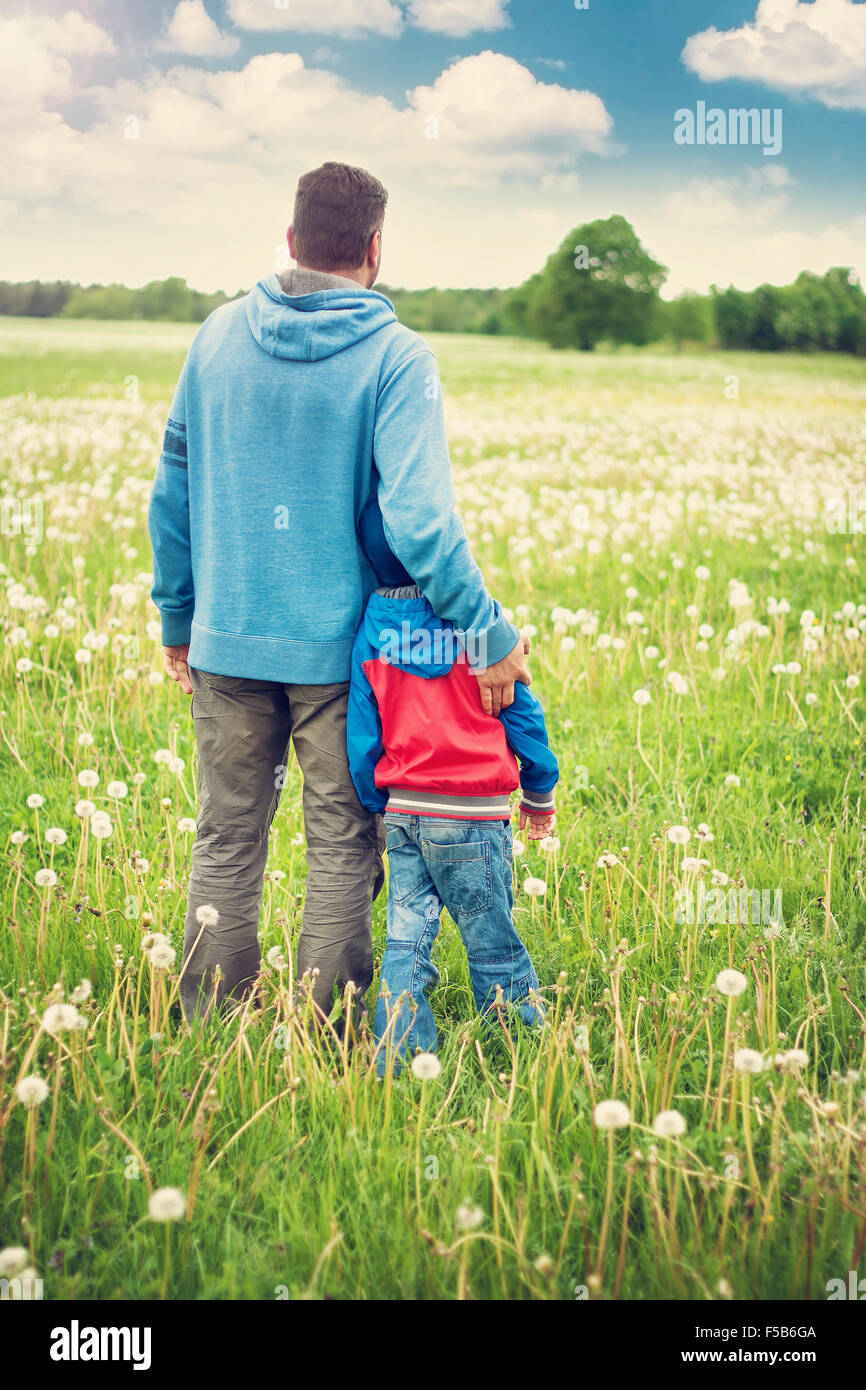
x=308 y=327
x=407 y=634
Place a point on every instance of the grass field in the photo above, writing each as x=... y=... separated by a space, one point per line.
x=659 y=524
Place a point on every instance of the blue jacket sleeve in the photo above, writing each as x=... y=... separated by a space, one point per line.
x=168 y=523
x=526 y=733
x=416 y=495
x=364 y=732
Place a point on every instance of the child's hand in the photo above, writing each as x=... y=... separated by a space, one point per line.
x=539 y=826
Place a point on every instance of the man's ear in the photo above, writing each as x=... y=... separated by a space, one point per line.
x=291 y=240
x=374 y=251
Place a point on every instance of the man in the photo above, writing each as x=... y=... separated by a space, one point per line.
x=298 y=406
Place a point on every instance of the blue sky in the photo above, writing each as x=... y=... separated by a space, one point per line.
x=148 y=139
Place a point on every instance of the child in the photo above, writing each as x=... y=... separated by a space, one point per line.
x=423 y=752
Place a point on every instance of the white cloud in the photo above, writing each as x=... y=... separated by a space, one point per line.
x=494 y=117
x=459 y=17
x=816 y=49
x=724 y=202
x=351 y=18
x=191 y=30
x=205 y=188
x=731 y=231
x=346 y=17
x=494 y=114
x=35 y=53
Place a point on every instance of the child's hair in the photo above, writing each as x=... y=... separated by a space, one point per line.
x=371 y=531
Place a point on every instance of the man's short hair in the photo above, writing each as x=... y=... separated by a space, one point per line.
x=337 y=210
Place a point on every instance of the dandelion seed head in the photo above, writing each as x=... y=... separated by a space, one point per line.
x=12 y=1260
x=794 y=1059
x=669 y=1124
x=61 y=1018
x=162 y=956
x=748 y=1061
x=166 y=1204
x=468 y=1217
x=426 y=1066
x=32 y=1091
x=731 y=983
x=611 y=1114
x=154 y=938
x=100 y=825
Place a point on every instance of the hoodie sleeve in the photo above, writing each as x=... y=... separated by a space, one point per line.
x=526 y=733
x=422 y=526
x=168 y=522
x=363 y=731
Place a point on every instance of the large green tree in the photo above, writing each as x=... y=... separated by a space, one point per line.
x=600 y=285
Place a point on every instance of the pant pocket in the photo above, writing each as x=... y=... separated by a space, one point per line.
x=224 y=685
x=462 y=875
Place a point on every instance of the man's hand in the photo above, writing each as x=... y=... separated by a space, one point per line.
x=539 y=826
x=496 y=683
x=174 y=659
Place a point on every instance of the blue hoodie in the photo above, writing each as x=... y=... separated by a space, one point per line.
x=292 y=412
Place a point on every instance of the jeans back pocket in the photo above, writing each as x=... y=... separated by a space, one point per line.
x=462 y=875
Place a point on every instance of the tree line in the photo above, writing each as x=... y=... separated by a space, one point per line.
x=169 y=300
x=600 y=286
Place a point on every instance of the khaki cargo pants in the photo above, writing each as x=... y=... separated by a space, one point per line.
x=243 y=730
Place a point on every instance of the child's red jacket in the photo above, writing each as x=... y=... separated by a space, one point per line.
x=419 y=740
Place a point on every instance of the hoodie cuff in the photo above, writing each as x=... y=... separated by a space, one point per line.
x=499 y=640
x=177 y=627
x=537 y=803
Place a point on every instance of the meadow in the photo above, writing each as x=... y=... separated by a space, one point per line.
x=690 y=1124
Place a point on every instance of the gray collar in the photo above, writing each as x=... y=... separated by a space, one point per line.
x=299 y=281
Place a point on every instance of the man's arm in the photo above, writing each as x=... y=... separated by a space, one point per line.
x=424 y=530
x=168 y=523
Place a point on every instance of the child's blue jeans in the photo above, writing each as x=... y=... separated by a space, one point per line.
x=464 y=865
